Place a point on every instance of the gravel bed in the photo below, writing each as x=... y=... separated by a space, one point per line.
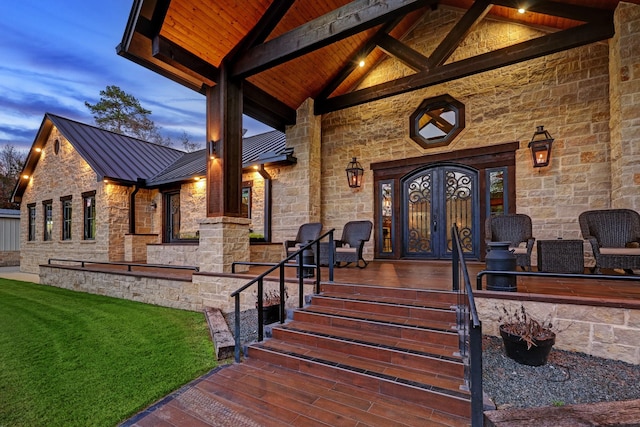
x=567 y=378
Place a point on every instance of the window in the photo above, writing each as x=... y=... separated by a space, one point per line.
x=437 y=121
x=496 y=185
x=246 y=199
x=386 y=216
x=32 y=221
x=48 y=219
x=89 y=208
x=66 y=217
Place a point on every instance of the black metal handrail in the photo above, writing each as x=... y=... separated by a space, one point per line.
x=483 y=273
x=469 y=330
x=128 y=264
x=281 y=266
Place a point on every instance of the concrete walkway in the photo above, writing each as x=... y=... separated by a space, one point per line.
x=14 y=273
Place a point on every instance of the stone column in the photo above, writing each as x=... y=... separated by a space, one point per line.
x=296 y=191
x=223 y=240
x=624 y=95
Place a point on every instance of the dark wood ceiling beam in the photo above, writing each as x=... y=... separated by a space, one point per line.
x=265 y=108
x=410 y=57
x=178 y=57
x=338 y=24
x=351 y=65
x=545 y=45
x=445 y=49
x=264 y=27
x=561 y=10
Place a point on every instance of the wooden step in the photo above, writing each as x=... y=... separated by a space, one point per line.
x=379 y=293
x=335 y=318
x=361 y=347
x=418 y=387
x=390 y=308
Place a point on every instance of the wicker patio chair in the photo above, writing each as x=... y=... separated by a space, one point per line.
x=306 y=233
x=513 y=228
x=349 y=247
x=614 y=235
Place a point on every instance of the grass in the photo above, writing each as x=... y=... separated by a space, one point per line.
x=76 y=359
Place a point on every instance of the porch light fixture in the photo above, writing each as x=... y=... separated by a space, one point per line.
x=355 y=172
x=541 y=147
x=212 y=150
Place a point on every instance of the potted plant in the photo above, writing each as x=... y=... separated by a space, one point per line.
x=271 y=305
x=526 y=340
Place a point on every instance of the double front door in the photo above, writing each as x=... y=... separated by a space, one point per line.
x=433 y=200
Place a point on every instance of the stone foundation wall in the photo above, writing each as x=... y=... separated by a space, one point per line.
x=173 y=254
x=266 y=252
x=135 y=246
x=203 y=291
x=9 y=258
x=608 y=332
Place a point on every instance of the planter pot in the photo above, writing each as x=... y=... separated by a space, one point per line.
x=270 y=314
x=516 y=349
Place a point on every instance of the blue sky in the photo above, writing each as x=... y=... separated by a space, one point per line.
x=58 y=54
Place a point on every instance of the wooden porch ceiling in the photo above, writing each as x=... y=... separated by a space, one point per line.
x=290 y=50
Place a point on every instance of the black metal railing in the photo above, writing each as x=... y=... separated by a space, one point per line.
x=129 y=265
x=483 y=273
x=469 y=330
x=259 y=280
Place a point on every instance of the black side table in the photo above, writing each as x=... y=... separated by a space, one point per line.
x=561 y=256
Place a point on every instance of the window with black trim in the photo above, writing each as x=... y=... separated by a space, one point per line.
x=437 y=121
x=32 y=221
x=47 y=207
x=246 y=199
x=66 y=217
x=496 y=185
x=89 y=214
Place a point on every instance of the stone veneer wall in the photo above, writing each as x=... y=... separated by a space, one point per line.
x=135 y=246
x=296 y=191
x=567 y=92
x=624 y=70
x=173 y=254
x=203 y=291
x=9 y=258
x=608 y=332
x=193 y=206
x=59 y=175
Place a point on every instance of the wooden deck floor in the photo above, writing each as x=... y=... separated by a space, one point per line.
x=437 y=275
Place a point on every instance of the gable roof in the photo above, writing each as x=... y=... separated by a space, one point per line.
x=129 y=161
x=288 y=51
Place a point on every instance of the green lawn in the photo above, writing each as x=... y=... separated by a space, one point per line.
x=75 y=359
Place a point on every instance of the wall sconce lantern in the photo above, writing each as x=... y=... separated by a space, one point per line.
x=540 y=146
x=212 y=146
x=355 y=172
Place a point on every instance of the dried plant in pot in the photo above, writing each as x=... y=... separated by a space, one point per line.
x=526 y=340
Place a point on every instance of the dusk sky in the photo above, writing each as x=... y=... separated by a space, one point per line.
x=58 y=54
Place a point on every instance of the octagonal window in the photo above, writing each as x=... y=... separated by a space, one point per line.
x=437 y=121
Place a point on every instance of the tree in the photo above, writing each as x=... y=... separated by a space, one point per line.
x=120 y=112
x=187 y=145
x=11 y=163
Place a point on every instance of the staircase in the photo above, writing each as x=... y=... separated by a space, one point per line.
x=356 y=355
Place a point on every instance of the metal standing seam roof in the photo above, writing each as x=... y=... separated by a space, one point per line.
x=114 y=155
x=263 y=148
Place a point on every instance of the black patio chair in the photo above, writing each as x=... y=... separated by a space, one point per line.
x=515 y=229
x=349 y=247
x=614 y=235
x=306 y=233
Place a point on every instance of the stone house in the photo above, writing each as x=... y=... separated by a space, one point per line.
x=90 y=194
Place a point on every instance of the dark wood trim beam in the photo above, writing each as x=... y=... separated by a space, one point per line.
x=338 y=24
x=178 y=57
x=445 y=49
x=264 y=27
x=266 y=108
x=413 y=59
x=562 y=10
x=545 y=45
x=353 y=62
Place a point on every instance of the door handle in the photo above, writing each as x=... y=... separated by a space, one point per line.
x=435 y=225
